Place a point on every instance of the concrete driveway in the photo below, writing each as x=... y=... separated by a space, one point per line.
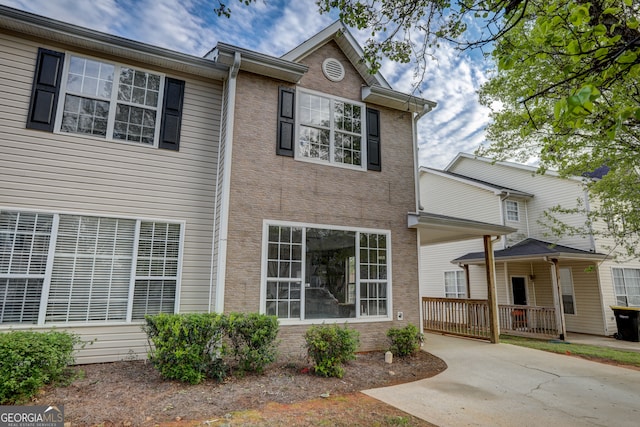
x=505 y=385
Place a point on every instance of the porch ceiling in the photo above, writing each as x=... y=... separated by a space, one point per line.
x=435 y=228
x=531 y=249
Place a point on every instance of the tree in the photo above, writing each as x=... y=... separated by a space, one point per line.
x=566 y=88
x=567 y=92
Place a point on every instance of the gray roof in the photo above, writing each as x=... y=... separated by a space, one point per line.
x=531 y=248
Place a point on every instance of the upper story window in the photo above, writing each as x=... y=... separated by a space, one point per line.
x=330 y=129
x=326 y=129
x=513 y=210
x=86 y=96
x=110 y=101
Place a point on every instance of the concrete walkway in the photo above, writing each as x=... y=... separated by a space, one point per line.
x=505 y=385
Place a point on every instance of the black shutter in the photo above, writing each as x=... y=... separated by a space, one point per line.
x=373 y=140
x=45 y=89
x=286 y=122
x=171 y=114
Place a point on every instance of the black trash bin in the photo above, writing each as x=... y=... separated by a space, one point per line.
x=627 y=322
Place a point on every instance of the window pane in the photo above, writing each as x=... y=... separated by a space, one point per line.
x=283 y=254
x=138 y=87
x=20 y=300
x=134 y=124
x=327 y=263
x=153 y=297
x=455 y=284
x=91 y=269
x=329 y=129
x=24 y=242
x=89 y=77
x=84 y=115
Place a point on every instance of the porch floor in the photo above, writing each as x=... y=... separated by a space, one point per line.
x=602 y=341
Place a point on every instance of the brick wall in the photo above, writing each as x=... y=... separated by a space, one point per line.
x=267 y=186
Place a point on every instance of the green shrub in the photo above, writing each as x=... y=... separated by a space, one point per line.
x=29 y=360
x=253 y=340
x=405 y=341
x=187 y=347
x=329 y=346
x=192 y=347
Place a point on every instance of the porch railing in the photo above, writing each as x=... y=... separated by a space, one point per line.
x=470 y=318
x=466 y=317
x=527 y=320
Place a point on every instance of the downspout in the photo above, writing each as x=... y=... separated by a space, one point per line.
x=503 y=196
x=226 y=184
x=587 y=207
x=416 y=177
x=426 y=109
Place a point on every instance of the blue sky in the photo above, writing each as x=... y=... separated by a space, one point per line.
x=274 y=27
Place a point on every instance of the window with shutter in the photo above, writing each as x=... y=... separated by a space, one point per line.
x=328 y=129
x=85 y=268
x=107 y=100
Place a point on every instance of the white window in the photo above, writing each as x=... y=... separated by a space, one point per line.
x=58 y=268
x=568 y=297
x=313 y=272
x=331 y=130
x=513 y=210
x=627 y=286
x=110 y=101
x=455 y=285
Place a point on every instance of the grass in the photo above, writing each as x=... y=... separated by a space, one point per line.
x=603 y=354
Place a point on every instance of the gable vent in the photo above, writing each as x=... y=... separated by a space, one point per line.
x=333 y=69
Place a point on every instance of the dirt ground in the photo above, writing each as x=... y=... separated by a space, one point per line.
x=132 y=393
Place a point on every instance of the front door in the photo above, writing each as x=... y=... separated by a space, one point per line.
x=519 y=288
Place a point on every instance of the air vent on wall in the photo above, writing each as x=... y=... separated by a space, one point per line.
x=333 y=69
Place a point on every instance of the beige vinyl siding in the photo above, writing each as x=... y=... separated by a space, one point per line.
x=446 y=196
x=548 y=191
x=588 y=318
x=102 y=344
x=436 y=259
x=74 y=174
x=608 y=294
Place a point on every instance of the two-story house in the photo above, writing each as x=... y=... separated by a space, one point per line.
x=138 y=180
x=573 y=276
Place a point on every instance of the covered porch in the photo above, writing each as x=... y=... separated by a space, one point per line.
x=542 y=290
x=479 y=315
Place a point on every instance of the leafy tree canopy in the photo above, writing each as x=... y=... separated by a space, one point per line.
x=566 y=89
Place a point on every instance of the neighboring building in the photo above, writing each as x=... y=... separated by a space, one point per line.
x=529 y=261
x=137 y=180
